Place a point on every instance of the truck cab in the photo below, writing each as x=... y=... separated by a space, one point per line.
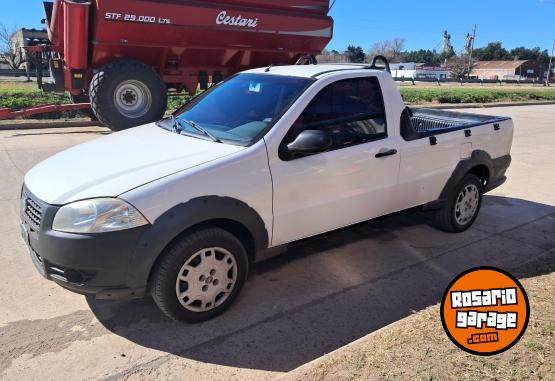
x=267 y=157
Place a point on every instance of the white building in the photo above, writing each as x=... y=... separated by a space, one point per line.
x=419 y=71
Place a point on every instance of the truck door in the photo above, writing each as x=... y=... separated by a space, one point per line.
x=351 y=181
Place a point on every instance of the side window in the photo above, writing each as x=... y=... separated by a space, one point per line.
x=352 y=111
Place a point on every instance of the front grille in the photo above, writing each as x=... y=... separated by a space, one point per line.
x=32 y=210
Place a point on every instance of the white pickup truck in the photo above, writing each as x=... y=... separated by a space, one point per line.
x=180 y=209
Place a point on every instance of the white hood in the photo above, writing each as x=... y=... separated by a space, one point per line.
x=116 y=163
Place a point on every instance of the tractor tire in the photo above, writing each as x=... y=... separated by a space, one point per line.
x=127 y=93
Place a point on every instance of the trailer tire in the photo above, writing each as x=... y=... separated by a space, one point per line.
x=127 y=93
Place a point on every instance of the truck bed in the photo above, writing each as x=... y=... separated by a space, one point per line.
x=425 y=122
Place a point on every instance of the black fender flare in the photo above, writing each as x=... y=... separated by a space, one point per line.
x=496 y=168
x=478 y=157
x=184 y=216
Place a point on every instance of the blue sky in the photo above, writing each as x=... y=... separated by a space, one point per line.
x=362 y=22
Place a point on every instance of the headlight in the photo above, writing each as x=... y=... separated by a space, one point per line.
x=97 y=216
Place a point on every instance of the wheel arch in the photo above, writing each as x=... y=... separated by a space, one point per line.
x=479 y=164
x=227 y=213
x=231 y=226
x=482 y=172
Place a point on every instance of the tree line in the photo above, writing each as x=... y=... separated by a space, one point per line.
x=395 y=52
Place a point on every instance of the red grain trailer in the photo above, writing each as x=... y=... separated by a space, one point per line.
x=125 y=54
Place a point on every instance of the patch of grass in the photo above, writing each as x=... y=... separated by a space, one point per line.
x=534 y=346
x=17 y=86
x=19 y=95
x=174 y=102
x=418 y=95
x=17 y=100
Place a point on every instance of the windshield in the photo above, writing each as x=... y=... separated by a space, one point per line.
x=241 y=108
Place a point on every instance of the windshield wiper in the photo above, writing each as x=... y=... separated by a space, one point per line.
x=177 y=127
x=198 y=128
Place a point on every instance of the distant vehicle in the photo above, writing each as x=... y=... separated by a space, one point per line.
x=181 y=208
x=125 y=54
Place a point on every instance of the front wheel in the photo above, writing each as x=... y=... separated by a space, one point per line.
x=462 y=207
x=200 y=275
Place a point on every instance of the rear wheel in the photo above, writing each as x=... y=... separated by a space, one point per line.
x=126 y=94
x=200 y=275
x=462 y=207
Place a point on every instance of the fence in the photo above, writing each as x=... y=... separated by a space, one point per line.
x=474 y=81
x=21 y=73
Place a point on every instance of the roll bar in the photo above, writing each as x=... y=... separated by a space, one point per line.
x=383 y=60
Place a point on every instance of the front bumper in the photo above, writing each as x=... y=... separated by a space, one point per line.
x=97 y=264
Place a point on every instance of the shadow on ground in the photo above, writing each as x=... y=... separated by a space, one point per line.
x=326 y=292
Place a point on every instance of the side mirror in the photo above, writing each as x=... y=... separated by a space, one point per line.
x=310 y=142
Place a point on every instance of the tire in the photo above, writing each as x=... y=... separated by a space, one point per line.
x=458 y=214
x=126 y=94
x=195 y=266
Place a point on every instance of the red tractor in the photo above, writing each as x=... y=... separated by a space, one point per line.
x=124 y=55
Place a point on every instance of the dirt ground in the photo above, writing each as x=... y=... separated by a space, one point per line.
x=419 y=349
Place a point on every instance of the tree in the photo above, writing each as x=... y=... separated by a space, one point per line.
x=459 y=66
x=492 y=52
x=390 y=49
x=535 y=54
x=10 y=48
x=428 y=57
x=332 y=56
x=355 y=54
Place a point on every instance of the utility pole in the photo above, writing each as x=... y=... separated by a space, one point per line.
x=471 y=50
x=550 y=64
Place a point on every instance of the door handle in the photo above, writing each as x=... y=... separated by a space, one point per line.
x=386 y=153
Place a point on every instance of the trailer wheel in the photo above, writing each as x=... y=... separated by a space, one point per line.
x=126 y=94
